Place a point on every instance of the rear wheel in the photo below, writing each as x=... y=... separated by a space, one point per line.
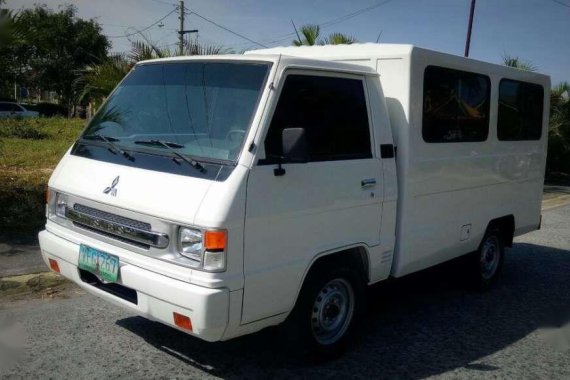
x=487 y=262
x=322 y=322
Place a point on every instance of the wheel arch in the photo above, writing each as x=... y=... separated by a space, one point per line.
x=506 y=225
x=355 y=256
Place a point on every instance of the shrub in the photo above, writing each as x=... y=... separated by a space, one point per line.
x=48 y=109
x=29 y=150
x=21 y=131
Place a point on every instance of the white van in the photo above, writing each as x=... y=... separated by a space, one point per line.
x=224 y=194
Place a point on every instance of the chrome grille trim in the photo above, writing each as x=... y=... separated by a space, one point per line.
x=111 y=236
x=121 y=231
x=111 y=217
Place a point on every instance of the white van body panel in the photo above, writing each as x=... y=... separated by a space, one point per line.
x=445 y=186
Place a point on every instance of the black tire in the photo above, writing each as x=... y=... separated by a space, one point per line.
x=320 y=302
x=486 y=264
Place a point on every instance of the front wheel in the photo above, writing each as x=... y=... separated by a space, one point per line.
x=332 y=311
x=323 y=319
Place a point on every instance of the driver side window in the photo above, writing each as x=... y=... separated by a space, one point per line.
x=333 y=113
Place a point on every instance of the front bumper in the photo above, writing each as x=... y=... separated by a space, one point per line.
x=158 y=296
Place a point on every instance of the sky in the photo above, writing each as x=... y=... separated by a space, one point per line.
x=537 y=31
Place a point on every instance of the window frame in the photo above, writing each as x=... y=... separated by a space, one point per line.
x=524 y=83
x=316 y=72
x=486 y=77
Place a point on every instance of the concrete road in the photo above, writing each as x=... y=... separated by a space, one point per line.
x=426 y=325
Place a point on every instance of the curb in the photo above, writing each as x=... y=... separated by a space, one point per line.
x=558 y=201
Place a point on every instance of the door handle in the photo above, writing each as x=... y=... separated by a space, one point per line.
x=368 y=182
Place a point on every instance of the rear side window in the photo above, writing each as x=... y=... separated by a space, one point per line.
x=456 y=106
x=520 y=110
x=333 y=113
x=5 y=107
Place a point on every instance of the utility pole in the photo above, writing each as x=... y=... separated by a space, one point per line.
x=469 y=27
x=181 y=31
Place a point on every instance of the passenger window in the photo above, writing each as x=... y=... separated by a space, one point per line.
x=331 y=110
x=520 y=111
x=5 y=107
x=456 y=106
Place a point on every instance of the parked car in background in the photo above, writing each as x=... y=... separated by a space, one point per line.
x=10 y=109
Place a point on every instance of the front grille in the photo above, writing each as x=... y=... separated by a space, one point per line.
x=112 y=217
x=112 y=236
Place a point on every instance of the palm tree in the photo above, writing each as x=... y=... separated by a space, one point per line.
x=97 y=81
x=310 y=34
x=339 y=39
x=518 y=63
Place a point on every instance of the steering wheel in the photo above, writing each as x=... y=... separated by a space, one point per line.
x=232 y=132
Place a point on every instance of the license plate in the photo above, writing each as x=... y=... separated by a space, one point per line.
x=103 y=264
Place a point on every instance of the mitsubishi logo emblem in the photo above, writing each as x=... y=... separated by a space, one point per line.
x=111 y=190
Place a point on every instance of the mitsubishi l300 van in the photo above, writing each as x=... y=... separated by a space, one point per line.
x=221 y=195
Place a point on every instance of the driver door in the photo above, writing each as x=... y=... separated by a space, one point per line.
x=332 y=201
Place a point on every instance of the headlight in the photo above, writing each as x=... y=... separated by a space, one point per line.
x=56 y=204
x=60 y=204
x=190 y=243
x=207 y=247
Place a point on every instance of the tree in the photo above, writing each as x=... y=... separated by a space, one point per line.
x=55 y=48
x=13 y=50
x=559 y=129
x=310 y=34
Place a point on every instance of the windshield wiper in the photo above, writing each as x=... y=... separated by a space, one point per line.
x=171 y=146
x=110 y=141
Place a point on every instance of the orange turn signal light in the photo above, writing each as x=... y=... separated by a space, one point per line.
x=215 y=240
x=182 y=321
x=54 y=265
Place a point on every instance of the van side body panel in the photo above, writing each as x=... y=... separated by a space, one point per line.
x=448 y=192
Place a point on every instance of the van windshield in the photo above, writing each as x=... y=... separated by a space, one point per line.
x=202 y=108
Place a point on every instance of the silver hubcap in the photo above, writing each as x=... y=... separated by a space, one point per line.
x=332 y=311
x=490 y=257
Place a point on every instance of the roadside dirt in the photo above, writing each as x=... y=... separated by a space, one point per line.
x=34 y=286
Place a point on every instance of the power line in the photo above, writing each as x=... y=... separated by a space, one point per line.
x=146 y=28
x=336 y=20
x=164 y=2
x=340 y=19
x=561 y=3
x=226 y=29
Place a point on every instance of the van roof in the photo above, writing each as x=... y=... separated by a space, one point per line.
x=339 y=51
x=360 y=51
x=258 y=56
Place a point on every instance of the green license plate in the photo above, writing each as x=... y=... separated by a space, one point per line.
x=103 y=264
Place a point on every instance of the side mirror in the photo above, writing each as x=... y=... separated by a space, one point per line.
x=294 y=145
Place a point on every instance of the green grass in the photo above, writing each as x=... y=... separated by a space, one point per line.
x=29 y=151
